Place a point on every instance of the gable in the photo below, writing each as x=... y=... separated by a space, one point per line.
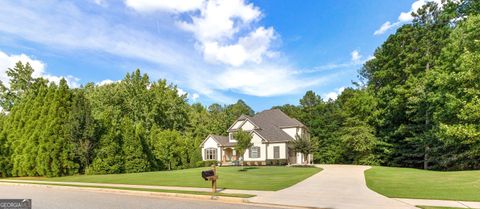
x=237 y=124
x=210 y=142
x=257 y=139
x=248 y=126
x=292 y=132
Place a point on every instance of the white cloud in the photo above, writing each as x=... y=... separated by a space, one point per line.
x=217 y=26
x=385 y=27
x=165 y=5
x=407 y=16
x=356 y=56
x=219 y=19
x=195 y=96
x=333 y=95
x=404 y=17
x=251 y=48
x=181 y=92
x=264 y=81
x=9 y=61
x=63 y=25
x=352 y=63
x=72 y=81
x=106 y=82
x=100 y=2
x=239 y=43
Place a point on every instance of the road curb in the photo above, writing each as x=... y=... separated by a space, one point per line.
x=137 y=193
x=231 y=200
x=279 y=205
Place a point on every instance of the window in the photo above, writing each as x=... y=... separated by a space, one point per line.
x=276 y=152
x=211 y=154
x=254 y=152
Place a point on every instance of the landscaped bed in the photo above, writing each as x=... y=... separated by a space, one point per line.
x=423 y=184
x=269 y=178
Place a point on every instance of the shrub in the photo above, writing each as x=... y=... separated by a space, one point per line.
x=302 y=166
x=207 y=163
x=277 y=162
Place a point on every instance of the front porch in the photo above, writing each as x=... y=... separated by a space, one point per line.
x=229 y=155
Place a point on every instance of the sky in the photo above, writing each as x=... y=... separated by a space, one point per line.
x=266 y=53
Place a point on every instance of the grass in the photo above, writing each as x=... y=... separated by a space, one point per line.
x=422 y=184
x=151 y=190
x=267 y=178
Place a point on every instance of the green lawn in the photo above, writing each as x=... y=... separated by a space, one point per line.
x=421 y=184
x=254 y=178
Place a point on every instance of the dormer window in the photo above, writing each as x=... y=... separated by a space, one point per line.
x=230 y=137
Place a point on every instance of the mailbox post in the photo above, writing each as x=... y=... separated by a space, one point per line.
x=214 y=180
x=211 y=175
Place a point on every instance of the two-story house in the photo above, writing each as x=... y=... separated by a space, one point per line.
x=272 y=133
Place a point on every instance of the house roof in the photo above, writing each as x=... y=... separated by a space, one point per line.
x=277 y=118
x=271 y=122
x=268 y=124
x=222 y=140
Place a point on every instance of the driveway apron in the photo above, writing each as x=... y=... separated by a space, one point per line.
x=337 y=186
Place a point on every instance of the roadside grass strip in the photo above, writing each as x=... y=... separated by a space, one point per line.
x=140 y=189
x=262 y=178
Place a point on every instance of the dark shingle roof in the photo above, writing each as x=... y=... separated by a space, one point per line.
x=222 y=140
x=270 y=123
x=277 y=118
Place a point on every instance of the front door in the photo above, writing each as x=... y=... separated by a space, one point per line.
x=292 y=156
x=228 y=154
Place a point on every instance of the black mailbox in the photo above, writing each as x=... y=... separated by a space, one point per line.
x=207 y=174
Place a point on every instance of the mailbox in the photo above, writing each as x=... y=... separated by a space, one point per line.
x=211 y=175
x=208 y=174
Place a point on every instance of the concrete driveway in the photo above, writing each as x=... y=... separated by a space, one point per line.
x=337 y=186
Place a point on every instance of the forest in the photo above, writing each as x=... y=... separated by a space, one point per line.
x=416 y=104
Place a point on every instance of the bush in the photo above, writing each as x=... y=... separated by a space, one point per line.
x=302 y=166
x=277 y=162
x=207 y=163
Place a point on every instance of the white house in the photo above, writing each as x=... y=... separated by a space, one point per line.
x=272 y=133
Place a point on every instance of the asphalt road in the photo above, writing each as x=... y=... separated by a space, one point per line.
x=66 y=198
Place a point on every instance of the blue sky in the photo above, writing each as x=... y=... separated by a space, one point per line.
x=264 y=52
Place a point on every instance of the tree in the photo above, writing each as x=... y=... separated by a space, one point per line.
x=135 y=158
x=302 y=144
x=456 y=99
x=244 y=142
x=234 y=111
x=82 y=129
x=166 y=147
x=108 y=156
x=396 y=77
x=218 y=119
x=5 y=165
x=291 y=110
x=359 y=142
x=20 y=81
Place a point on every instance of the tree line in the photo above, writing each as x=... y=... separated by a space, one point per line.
x=134 y=125
x=418 y=100
x=417 y=105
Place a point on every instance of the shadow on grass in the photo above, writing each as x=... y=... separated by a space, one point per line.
x=247 y=168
